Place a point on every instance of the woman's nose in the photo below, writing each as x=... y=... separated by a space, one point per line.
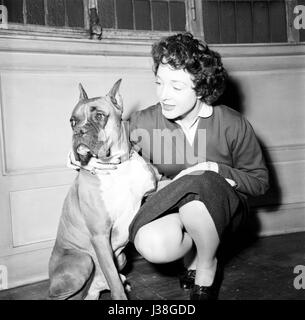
x=164 y=93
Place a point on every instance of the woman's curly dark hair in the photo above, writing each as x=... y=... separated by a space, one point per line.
x=183 y=51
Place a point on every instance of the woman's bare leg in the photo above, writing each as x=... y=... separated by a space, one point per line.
x=163 y=240
x=201 y=228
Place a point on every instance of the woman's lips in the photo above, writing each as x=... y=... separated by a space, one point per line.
x=168 y=107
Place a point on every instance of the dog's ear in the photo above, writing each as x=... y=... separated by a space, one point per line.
x=115 y=96
x=83 y=95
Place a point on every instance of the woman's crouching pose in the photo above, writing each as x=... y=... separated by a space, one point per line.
x=208 y=155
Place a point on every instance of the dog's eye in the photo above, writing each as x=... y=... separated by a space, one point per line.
x=99 y=116
x=73 y=123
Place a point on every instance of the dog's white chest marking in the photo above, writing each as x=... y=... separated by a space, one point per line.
x=122 y=189
x=119 y=194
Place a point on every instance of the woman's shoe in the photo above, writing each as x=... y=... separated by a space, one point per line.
x=202 y=293
x=187 y=279
x=207 y=293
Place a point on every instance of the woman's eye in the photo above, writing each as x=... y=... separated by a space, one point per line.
x=99 y=116
x=157 y=83
x=177 y=88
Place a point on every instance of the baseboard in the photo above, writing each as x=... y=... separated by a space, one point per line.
x=276 y=220
x=26 y=267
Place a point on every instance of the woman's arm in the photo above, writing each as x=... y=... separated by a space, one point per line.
x=249 y=170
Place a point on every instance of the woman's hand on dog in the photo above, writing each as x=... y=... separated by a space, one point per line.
x=93 y=165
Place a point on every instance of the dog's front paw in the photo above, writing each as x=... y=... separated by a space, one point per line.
x=120 y=296
x=121 y=262
x=126 y=284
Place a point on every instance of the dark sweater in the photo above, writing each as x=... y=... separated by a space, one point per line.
x=229 y=139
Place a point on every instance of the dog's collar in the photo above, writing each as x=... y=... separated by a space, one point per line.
x=95 y=171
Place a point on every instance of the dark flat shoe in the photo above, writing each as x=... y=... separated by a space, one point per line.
x=203 y=293
x=187 y=279
x=207 y=293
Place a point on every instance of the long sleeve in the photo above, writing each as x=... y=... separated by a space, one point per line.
x=249 y=170
x=133 y=126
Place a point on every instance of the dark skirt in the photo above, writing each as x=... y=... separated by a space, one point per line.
x=226 y=206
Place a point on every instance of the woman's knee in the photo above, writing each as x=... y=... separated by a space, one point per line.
x=197 y=219
x=156 y=244
x=151 y=245
x=192 y=213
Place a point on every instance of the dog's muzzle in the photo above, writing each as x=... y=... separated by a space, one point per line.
x=83 y=153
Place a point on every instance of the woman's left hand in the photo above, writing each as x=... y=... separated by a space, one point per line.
x=198 y=168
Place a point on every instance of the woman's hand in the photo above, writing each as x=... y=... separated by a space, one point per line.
x=199 y=168
x=94 y=165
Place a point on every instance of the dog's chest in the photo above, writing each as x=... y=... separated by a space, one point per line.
x=123 y=189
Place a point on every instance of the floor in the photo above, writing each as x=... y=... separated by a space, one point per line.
x=254 y=269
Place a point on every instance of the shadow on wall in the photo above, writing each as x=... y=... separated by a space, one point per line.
x=234 y=98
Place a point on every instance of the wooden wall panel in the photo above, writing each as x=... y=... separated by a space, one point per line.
x=33 y=124
x=75 y=13
x=35 y=214
x=142 y=15
x=35 y=12
x=273 y=102
x=160 y=16
x=56 y=13
x=228 y=20
x=15 y=10
x=244 y=22
x=177 y=16
x=106 y=13
x=125 y=14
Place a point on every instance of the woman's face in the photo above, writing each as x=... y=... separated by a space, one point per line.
x=175 y=91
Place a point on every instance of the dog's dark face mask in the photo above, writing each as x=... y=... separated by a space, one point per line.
x=92 y=122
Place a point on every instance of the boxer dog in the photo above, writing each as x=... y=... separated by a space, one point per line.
x=93 y=228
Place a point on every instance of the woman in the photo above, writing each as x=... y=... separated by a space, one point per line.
x=209 y=159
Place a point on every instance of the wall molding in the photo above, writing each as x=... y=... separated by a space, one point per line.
x=291 y=153
x=239 y=57
x=135 y=44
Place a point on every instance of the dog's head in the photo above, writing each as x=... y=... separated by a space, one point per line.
x=96 y=124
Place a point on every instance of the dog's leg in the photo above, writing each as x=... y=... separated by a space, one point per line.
x=104 y=253
x=71 y=273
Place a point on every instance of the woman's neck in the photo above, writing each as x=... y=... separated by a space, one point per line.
x=188 y=118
